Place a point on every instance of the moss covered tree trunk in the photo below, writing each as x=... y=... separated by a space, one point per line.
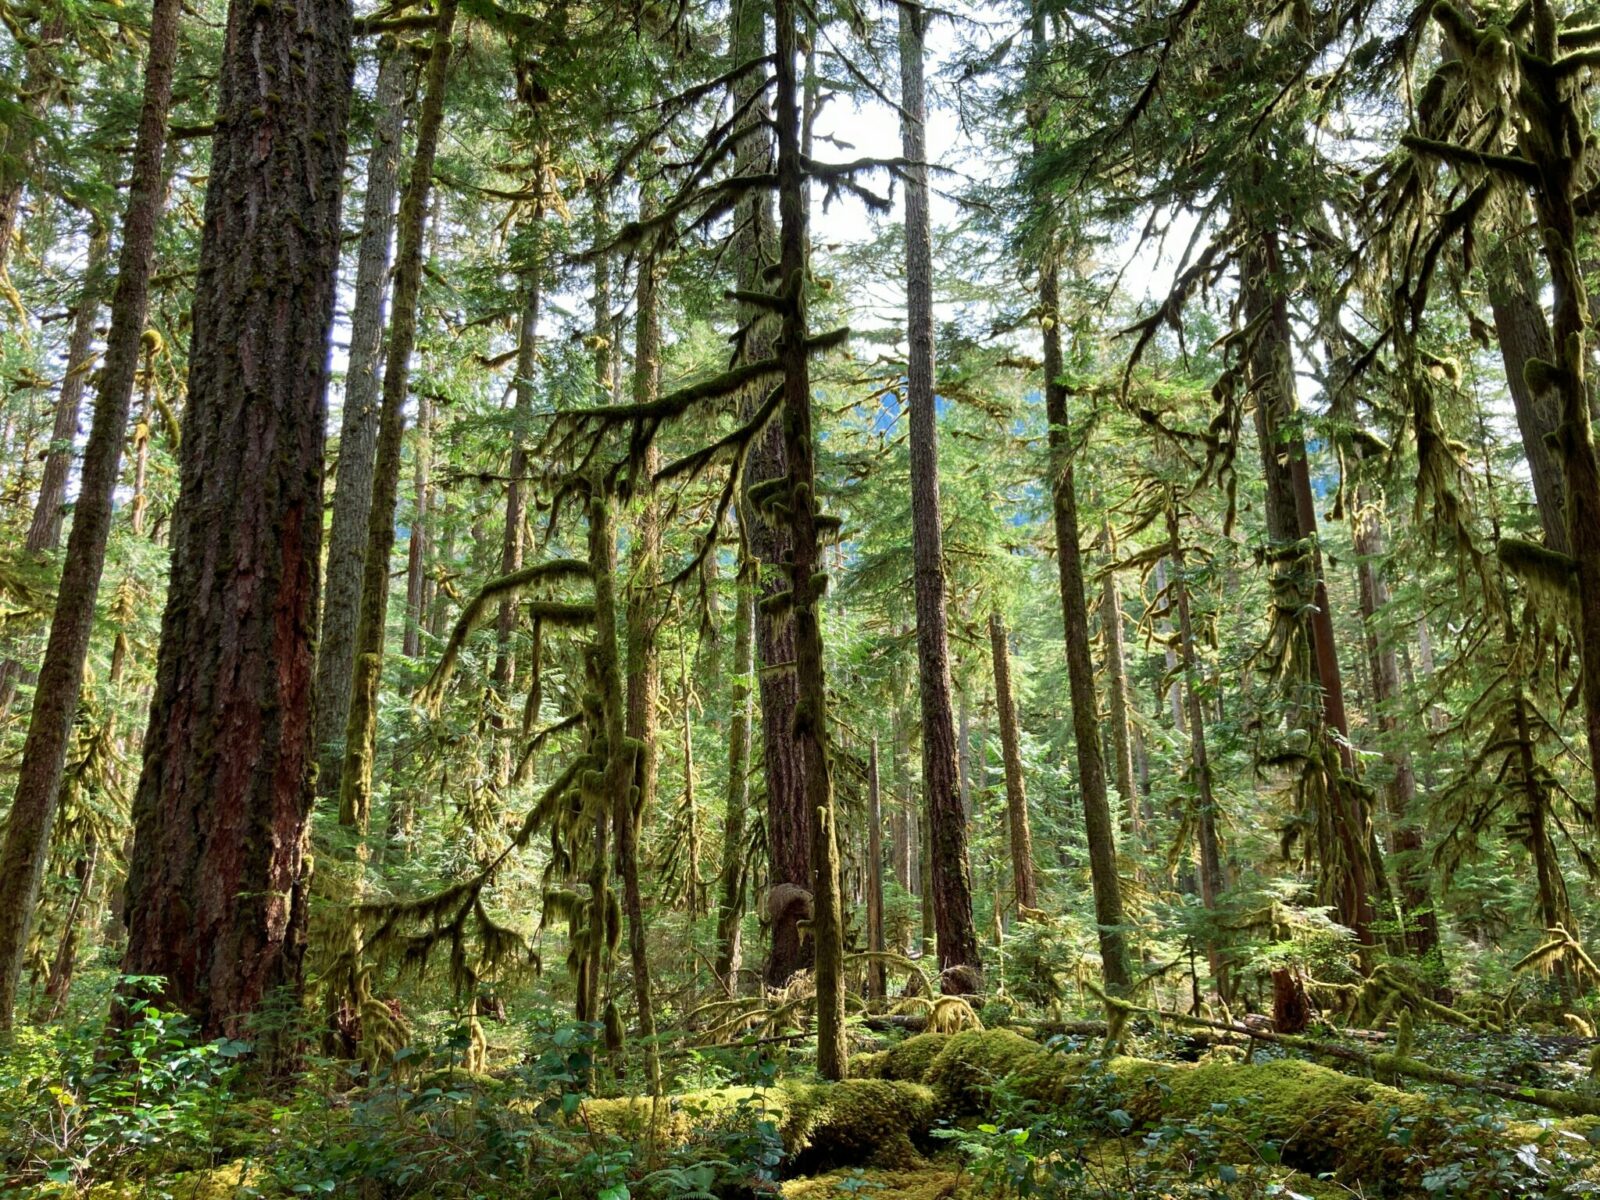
x=216 y=892
x=55 y=700
x=806 y=582
x=421 y=519
x=358 y=427
x=755 y=251
x=361 y=729
x=505 y=666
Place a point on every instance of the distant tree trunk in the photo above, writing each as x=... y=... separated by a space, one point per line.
x=358 y=431
x=361 y=729
x=216 y=893
x=741 y=699
x=947 y=826
x=417 y=543
x=1011 y=754
x=1117 y=685
x=877 y=972
x=1212 y=881
x=1422 y=925
x=65 y=962
x=1292 y=530
x=1174 y=697
x=505 y=667
x=44 y=531
x=41 y=87
x=810 y=728
x=55 y=700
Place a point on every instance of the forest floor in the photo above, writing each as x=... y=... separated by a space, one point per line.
x=930 y=1116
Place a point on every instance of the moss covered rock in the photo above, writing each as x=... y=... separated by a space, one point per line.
x=924 y=1183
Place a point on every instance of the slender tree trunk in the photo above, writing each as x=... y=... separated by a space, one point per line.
x=417 y=543
x=361 y=729
x=358 y=431
x=216 y=895
x=1174 y=698
x=44 y=530
x=1024 y=893
x=947 y=827
x=1212 y=880
x=877 y=972
x=55 y=701
x=621 y=775
x=643 y=668
x=1098 y=825
x=65 y=963
x=1117 y=686
x=741 y=700
x=516 y=492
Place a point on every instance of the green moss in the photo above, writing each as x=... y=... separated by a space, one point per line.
x=971 y=1064
x=925 y=1183
x=820 y=1124
x=907 y=1060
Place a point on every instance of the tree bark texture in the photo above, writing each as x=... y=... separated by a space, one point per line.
x=216 y=893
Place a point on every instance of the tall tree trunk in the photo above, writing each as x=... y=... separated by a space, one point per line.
x=1098 y=825
x=55 y=700
x=1174 y=697
x=358 y=431
x=741 y=700
x=810 y=720
x=1421 y=923
x=755 y=251
x=361 y=729
x=1292 y=530
x=947 y=825
x=1023 y=890
x=216 y=895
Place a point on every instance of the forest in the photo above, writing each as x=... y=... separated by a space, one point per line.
x=808 y=599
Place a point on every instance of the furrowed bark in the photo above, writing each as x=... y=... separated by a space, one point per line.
x=216 y=893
